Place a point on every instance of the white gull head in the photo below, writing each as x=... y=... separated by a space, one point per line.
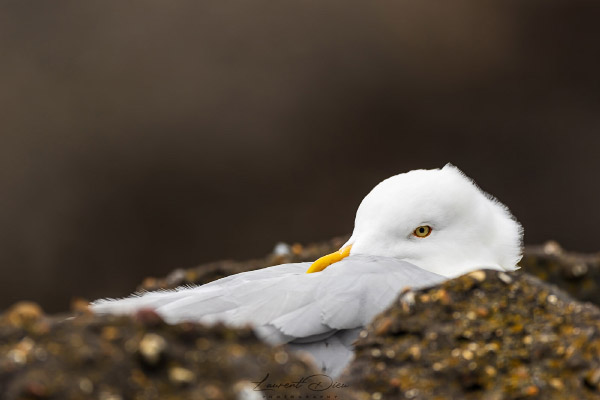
x=438 y=220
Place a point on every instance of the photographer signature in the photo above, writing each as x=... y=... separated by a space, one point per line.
x=316 y=383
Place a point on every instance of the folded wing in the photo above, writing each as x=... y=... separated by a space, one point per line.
x=320 y=313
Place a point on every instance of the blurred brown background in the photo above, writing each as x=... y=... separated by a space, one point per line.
x=138 y=137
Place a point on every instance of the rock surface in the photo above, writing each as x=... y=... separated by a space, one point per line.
x=486 y=335
x=577 y=274
x=120 y=358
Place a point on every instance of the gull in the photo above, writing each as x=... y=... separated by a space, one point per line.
x=413 y=230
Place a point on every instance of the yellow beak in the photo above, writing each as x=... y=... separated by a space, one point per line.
x=329 y=259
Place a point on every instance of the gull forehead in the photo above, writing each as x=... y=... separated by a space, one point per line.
x=441 y=193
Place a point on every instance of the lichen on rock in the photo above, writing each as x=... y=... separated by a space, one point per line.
x=109 y=357
x=485 y=335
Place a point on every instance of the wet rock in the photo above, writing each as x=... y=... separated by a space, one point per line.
x=108 y=357
x=577 y=274
x=481 y=336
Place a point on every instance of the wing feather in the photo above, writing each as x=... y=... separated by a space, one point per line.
x=285 y=301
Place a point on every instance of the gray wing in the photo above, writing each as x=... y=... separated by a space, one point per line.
x=346 y=295
x=283 y=302
x=320 y=313
x=215 y=289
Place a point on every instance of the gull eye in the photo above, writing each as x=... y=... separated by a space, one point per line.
x=422 y=231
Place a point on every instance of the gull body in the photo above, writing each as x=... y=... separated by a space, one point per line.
x=322 y=313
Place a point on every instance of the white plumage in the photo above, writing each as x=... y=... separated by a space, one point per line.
x=322 y=313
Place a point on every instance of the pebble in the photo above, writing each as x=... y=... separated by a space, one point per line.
x=213 y=392
x=244 y=390
x=86 y=385
x=24 y=313
x=107 y=395
x=592 y=378
x=297 y=249
x=492 y=347
x=176 y=277
x=578 y=270
x=382 y=328
x=531 y=390
x=556 y=384
x=181 y=376
x=504 y=277
x=479 y=275
x=281 y=357
x=21 y=351
x=80 y=305
x=152 y=348
x=482 y=312
x=552 y=299
x=282 y=249
x=17 y=356
x=109 y=332
x=408 y=300
x=415 y=352
x=552 y=247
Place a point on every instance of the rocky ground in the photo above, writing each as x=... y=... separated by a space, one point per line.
x=486 y=335
x=118 y=358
